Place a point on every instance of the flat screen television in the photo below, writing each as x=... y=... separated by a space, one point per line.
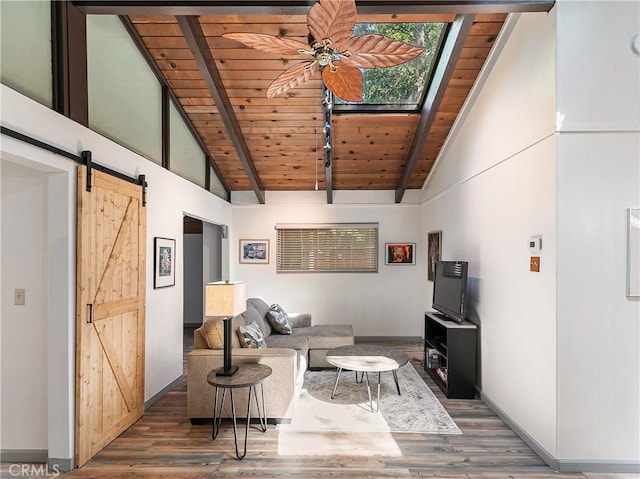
x=450 y=289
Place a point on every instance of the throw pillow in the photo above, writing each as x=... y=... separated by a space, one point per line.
x=251 y=336
x=213 y=333
x=279 y=319
x=261 y=320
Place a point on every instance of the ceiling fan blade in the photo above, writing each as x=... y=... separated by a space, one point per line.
x=332 y=19
x=292 y=77
x=268 y=43
x=345 y=82
x=376 y=51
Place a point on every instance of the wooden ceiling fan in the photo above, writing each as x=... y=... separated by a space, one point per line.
x=334 y=48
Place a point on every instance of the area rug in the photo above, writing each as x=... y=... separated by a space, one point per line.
x=416 y=410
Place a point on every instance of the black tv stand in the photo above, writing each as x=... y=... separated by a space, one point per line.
x=450 y=355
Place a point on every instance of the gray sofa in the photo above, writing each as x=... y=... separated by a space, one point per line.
x=289 y=356
x=311 y=341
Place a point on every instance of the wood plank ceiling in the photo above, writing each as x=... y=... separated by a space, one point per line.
x=262 y=144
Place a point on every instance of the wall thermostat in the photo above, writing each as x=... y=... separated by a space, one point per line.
x=535 y=243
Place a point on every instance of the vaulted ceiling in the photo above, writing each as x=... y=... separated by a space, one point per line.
x=258 y=143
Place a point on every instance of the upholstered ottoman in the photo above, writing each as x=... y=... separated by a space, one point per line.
x=323 y=338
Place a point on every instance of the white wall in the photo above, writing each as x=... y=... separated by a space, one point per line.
x=598 y=326
x=598 y=73
x=492 y=188
x=49 y=279
x=387 y=303
x=24 y=328
x=560 y=349
x=169 y=198
x=598 y=179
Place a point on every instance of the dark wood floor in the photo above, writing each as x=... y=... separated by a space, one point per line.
x=164 y=444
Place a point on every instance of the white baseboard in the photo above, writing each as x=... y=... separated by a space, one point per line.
x=545 y=455
x=50 y=465
x=563 y=465
x=64 y=465
x=375 y=339
x=602 y=467
x=24 y=456
x=150 y=402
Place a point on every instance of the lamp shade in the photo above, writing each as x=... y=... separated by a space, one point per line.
x=224 y=298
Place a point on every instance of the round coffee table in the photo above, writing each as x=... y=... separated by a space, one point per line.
x=365 y=359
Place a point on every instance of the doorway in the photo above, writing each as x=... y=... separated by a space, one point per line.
x=202 y=263
x=38 y=260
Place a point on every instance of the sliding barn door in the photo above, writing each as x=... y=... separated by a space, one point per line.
x=110 y=310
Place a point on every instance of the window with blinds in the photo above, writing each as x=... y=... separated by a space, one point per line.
x=327 y=248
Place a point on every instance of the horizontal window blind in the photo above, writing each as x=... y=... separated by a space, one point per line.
x=327 y=248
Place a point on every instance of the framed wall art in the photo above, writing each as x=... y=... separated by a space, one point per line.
x=400 y=253
x=434 y=252
x=164 y=262
x=254 y=251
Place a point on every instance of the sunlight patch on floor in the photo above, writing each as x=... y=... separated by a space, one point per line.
x=297 y=443
x=315 y=415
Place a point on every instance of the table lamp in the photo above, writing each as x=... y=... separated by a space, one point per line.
x=225 y=299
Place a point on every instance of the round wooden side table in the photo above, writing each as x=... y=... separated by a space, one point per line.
x=247 y=376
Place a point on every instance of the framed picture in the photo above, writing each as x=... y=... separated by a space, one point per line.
x=434 y=253
x=164 y=262
x=254 y=251
x=400 y=253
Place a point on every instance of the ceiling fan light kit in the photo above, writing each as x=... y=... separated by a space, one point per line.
x=334 y=49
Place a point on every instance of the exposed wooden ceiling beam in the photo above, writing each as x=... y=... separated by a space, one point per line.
x=300 y=7
x=446 y=64
x=69 y=38
x=197 y=41
x=166 y=89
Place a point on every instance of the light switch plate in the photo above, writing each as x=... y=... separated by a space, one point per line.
x=18 y=298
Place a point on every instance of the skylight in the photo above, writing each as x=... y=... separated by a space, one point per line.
x=401 y=87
